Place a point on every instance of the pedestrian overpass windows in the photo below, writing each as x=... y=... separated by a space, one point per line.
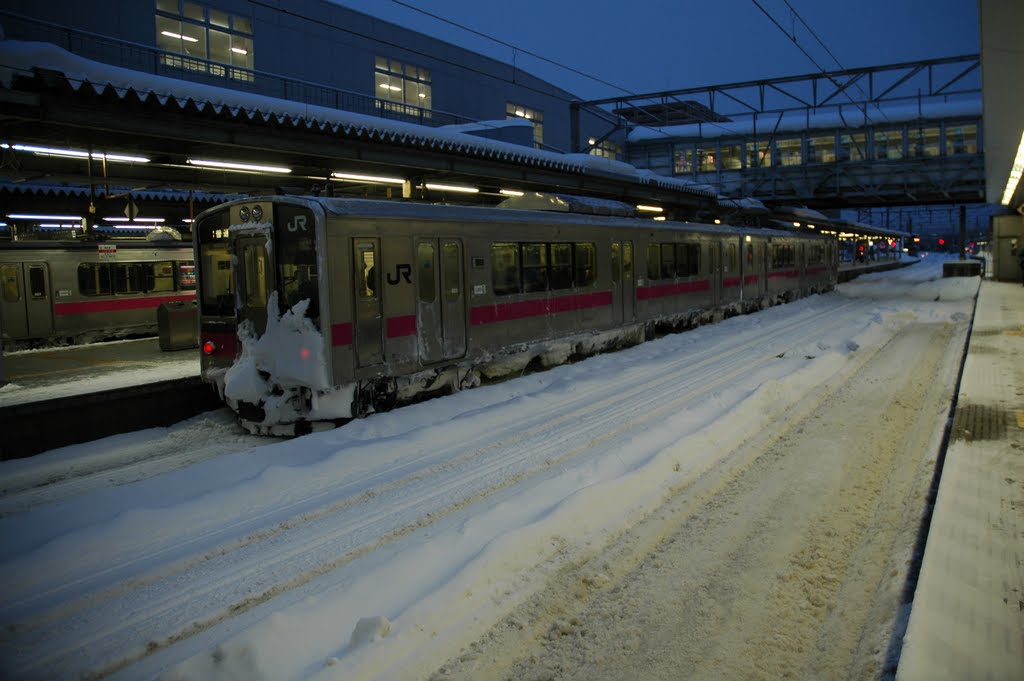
x=789 y=151
x=961 y=139
x=821 y=149
x=605 y=149
x=853 y=147
x=759 y=155
x=536 y=118
x=706 y=159
x=888 y=145
x=923 y=142
x=730 y=157
x=204 y=40
x=403 y=88
x=682 y=160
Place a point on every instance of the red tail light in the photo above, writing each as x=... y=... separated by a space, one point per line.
x=209 y=347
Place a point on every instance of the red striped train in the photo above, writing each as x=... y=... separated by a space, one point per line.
x=317 y=310
x=80 y=291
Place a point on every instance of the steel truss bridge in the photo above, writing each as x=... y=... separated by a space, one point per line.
x=900 y=134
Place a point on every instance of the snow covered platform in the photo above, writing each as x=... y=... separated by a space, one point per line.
x=967 y=616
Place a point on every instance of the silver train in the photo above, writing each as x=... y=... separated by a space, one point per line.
x=54 y=292
x=317 y=310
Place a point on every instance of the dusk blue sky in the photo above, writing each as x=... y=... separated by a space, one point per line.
x=654 y=45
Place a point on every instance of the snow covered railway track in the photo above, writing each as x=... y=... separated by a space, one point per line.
x=231 y=578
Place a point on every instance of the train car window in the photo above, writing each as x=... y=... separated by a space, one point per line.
x=214 y=281
x=627 y=261
x=367 y=271
x=586 y=257
x=295 y=251
x=653 y=261
x=668 y=261
x=783 y=256
x=159 y=276
x=94 y=279
x=452 y=271
x=616 y=262
x=687 y=260
x=561 y=266
x=186 y=276
x=9 y=280
x=425 y=274
x=128 y=278
x=731 y=258
x=37 y=282
x=505 y=269
x=535 y=268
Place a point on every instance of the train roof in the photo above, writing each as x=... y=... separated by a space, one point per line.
x=78 y=245
x=370 y=208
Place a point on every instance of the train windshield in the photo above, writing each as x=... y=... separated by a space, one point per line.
x=295 y=250
x=216 y=297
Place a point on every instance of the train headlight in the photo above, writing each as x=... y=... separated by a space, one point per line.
x=209 y=347
x=257 y=213
x=243 y=213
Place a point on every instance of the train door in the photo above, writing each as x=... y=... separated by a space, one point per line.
x=368 y=322
x=716 y=271
x=440 y=296
x=25 y=300
x=623 y=285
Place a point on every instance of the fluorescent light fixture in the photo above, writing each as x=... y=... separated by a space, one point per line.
x=134 y=226
x=393 y=88
x=660 y=218
x=355 y=177
x=186 y=38
x=239 y=50
x=718 y=221
x=650 y=209
x=33 y=216
x=241 y=167
x=796 y=224
x=120 y=219
x=1015 y=174
x=510 y=192
x=73 y=153
x=47 y=225
x=452 y=188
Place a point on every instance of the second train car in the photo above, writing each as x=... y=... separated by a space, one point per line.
x=317 y=310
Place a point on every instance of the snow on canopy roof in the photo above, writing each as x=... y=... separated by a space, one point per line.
x=59 y=189
x=840 y=116
x=745 y=203
x=871 y=230
x=803 y=213
x=565 y=203
x=21 y=58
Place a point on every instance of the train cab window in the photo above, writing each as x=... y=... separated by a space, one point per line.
x=561 y=266
x=452 y=271
x=535 y=268
x=37 y=282
x=586 y=258
x=9 y=283
x=254 y=271
x=367 y=272
x=425 y=271
x=505 y=269
x=94 y=279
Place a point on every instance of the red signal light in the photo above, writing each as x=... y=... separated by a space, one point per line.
x=942 y=242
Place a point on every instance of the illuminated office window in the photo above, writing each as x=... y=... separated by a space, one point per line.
x=961 y=139
x=204 y=39
x=730 y=156
x=404 y=88
x=821 y=149
x=706 y=157
x=682 y=160
x=535 y=117
x=888 y=145
x=759 y=155
x=923 y=142
x=789 y=151
x=853 y=146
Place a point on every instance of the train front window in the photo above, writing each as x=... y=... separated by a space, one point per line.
x=216 y=291
x=295 y=252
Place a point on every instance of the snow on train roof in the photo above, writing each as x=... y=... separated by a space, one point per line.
x=372 y=208
x=21 y=57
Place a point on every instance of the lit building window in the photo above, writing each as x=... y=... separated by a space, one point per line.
x=789 y=151
x=759 y=155
x=923 y=142
x=706 y=159
x=204 y=39
x=404 y=88
x=961 y=139
x=821 y=149
x=853 y=147
x=682 y=160
x=730 y=157
x=605 y=149
x=535 y=117
x=888 y=145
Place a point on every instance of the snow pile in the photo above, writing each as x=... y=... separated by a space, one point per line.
x=273 y=369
